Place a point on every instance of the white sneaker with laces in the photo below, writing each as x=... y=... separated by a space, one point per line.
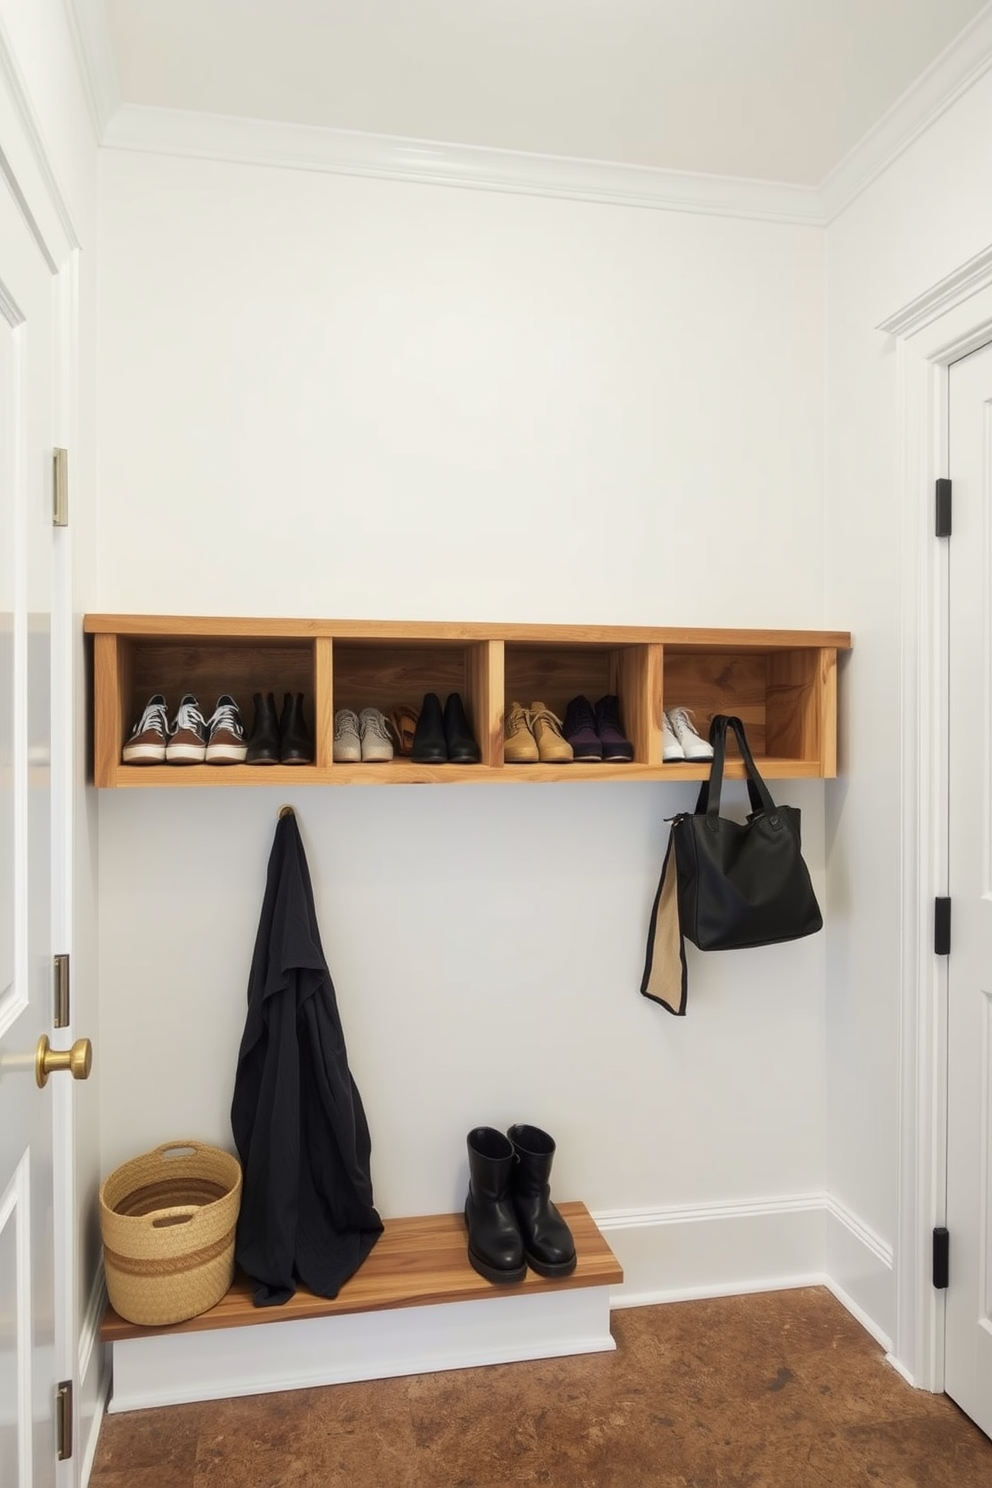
x=347 y=738
x=692 y=746
x=671 y=749
x=377 y=746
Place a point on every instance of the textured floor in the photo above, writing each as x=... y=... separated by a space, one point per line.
x=782 y=1390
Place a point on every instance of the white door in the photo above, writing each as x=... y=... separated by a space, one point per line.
x=28 y=1362
x=968 y=1336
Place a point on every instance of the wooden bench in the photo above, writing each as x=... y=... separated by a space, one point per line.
x=414 y=1306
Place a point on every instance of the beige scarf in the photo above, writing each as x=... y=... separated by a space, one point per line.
x=664 y=977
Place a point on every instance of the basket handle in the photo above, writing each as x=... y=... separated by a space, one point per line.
x=161 y=1219
x=170 y=1151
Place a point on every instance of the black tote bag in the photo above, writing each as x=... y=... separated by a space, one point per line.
x=741 y=884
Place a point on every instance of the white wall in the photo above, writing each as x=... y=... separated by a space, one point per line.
x=345 y=397
x=927 y=214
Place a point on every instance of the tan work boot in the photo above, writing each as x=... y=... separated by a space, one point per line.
x=519 y=744
x=552 y=747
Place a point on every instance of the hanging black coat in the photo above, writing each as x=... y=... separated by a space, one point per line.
x=299 y=1125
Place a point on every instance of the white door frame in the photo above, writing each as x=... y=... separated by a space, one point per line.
x=947 y=321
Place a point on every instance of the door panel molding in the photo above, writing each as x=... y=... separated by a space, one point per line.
x=945 y=322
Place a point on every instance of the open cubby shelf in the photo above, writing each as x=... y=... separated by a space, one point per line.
x=782 y=683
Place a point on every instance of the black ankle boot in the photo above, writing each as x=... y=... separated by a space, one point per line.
x=495 y=1248
x=263 y=746
x=548 y=1243
x=295 y=744
x=429 y=746
x=462 y=746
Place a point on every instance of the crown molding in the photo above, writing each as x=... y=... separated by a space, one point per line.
x=345 y=152
x=965 y=283
x=205 y=136
x=88 y=28
x=957 y=68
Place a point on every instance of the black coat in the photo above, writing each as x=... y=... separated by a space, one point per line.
x=299 y=1125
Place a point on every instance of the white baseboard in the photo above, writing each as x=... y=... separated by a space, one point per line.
x=720 y=1250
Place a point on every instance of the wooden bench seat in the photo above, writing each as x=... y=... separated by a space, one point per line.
x=414 y=1305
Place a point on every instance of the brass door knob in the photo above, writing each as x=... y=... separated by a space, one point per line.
x=47 y=1061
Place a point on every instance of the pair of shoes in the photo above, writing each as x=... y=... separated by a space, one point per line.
x=511 y=1221
x=283 y=742
x=361 y=737
x=679 y=739
x=189 y=739
x=444 y=738
x=534 y=734
x=597 y=734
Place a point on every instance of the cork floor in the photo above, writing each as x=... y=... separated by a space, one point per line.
x=779 y=1390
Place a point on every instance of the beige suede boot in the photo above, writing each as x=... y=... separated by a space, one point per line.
x=552 y=747
x=519 y=744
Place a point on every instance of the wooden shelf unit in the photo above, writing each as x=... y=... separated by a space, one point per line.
x=781 y=683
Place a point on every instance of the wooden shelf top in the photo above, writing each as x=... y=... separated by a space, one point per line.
x=415 y=1262
x=204 y=627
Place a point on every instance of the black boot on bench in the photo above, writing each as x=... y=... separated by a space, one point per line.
x=548 y=1244
x=495 y=1248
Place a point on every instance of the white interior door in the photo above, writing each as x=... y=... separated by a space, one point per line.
x=28 y=1363
x=968 y=1337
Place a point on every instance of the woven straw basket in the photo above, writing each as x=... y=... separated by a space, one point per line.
x=168 y=1221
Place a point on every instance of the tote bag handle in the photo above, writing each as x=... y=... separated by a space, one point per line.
x=710 y=791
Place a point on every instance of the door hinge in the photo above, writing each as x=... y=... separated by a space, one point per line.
x=63 y=1420
x=60 y=966
x=60 y=488
x=943 y=508
x=942 y=927
x=941 y=1257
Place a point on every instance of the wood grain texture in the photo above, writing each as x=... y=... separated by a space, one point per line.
x=110 y=727
x=176 y=627
x=781 y=683
x=404 y=772
x=485 y=692
x=416 y=1261
x=323 y=701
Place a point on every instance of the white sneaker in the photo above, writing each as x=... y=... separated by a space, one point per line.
x=693 y=748
x=347 y=739
x=377 y=745
x=671 y=749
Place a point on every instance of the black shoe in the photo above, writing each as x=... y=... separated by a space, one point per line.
x=429 y=745
x=263 y=746
x=580 y=730
x=495 y=1245
x=616 y=746
x=547 y=1240
x=295 y=743
x=462 y=746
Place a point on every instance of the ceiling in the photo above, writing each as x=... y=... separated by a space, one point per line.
x=774 y=90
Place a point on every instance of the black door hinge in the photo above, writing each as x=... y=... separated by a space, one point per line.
x=942 y=927
x=941 y=1257
x=943 y=507
x=63 y=1421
